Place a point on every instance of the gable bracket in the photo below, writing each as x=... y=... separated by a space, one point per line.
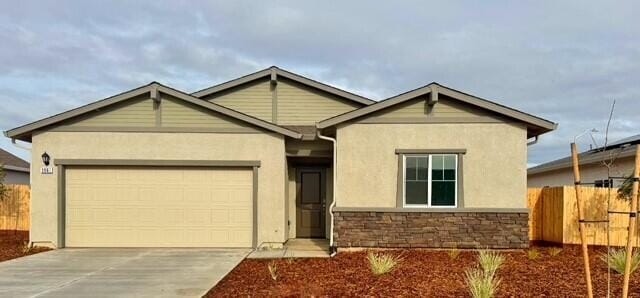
x=433 y=96
x=274 y=77
x=154 y=94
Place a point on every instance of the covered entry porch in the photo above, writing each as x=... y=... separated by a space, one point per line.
x=309 y=189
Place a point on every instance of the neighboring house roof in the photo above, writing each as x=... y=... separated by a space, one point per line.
x=274 y=72
x=24 y=132
x=536 y=124
x=12 y=162
x=619 y=149
x=635 y=139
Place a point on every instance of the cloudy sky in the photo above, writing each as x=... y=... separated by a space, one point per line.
x=565 y=61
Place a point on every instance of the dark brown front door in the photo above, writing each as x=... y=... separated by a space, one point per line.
x=310 y=203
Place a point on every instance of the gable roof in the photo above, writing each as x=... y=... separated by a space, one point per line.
x=537 y=124
x=619 y=149
x=11 y=162
x=274 y=72
x=24 y=132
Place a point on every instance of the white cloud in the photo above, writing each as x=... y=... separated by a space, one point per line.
x=565 y=61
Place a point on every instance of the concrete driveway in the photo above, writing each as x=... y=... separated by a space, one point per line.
x=106 y=272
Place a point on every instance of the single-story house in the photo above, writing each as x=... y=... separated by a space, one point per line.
x=274 y=155
x=559 y=172
x=15 y=169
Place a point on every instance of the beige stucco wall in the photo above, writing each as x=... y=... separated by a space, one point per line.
x=494 y=167
x=265 y=147
x=588 y=174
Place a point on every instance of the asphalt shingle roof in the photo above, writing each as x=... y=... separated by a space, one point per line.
x=8 y=159
x=620 y=148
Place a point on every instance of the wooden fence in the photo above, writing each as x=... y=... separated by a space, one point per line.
x=14 y=208
x=554 y=215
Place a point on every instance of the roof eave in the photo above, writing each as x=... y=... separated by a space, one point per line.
x=232 y=83
x=21 y=132
x=229 y=112
x=24 y=132
x=17 y=169
x=532 y=121
x=381 y=105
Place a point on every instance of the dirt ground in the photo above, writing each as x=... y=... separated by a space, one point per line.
x=426 y=273
x=13 y=244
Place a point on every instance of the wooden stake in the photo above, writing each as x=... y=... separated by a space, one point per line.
x=581 y=224
x=632 y=224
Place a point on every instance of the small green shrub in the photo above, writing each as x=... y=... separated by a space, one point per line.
x=273 y=270
x=554 y=251
x=453 y=253
x=618 y=258
x=490 y=261
x=533 y=254
x=482 y=284
x=382 y=263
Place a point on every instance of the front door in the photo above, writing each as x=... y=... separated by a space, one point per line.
x=310 y=203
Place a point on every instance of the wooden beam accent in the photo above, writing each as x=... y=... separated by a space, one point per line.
x=581 y=223
x=433 y=97
x=154 y=94
x=274 y=95
x=274 y=76
x=632 y=225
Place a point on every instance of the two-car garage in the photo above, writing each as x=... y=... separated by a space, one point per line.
x=164 y=205
x=156 y=167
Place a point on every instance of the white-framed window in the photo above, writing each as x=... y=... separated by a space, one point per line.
x=430 y=180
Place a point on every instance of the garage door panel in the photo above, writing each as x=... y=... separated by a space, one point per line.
x=239 y=236
x=240 y=217
x=198 y=195
x=148 y=216
x=198 y=217
x=219 y=216
x=158 y=207
x=171 y=217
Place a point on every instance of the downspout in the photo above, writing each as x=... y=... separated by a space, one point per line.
x=332 y=248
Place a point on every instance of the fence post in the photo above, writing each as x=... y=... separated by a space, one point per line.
x=583 y=234
x=632 y=224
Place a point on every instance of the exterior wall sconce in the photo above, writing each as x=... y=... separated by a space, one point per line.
x=46 y=159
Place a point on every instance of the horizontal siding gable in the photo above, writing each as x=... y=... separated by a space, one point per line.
x=302 y=105
x=176 y=113
x=135 y=112
x=445 y=108
x=253 y=99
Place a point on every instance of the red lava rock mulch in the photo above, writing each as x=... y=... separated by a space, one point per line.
x=13 y=244
x=427 y=273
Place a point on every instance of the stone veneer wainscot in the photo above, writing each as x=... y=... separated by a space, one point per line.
x=403 y=228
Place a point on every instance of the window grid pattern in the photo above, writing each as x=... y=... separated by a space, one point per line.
x=430 y=180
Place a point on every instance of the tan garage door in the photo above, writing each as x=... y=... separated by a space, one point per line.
x=158 y=207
